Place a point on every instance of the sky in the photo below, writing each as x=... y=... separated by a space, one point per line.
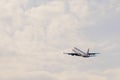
x=35 y=33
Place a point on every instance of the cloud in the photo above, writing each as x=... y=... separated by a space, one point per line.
x=79 y=75
x=33 y=36
x=26 y=76
x=113 y=74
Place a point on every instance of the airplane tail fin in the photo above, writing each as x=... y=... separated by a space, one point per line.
x=88 y=50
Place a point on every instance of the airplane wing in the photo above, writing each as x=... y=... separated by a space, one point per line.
x=76 y=54
x=93 y=53
x=79 y=50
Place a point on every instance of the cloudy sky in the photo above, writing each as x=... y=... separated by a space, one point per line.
x=35 y=33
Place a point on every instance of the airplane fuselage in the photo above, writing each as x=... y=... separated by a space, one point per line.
x=86 y=56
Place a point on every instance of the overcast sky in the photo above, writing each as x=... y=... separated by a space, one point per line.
x=35 y=33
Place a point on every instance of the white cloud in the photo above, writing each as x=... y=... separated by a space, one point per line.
x=70 y=75
x=113 y=74
x=33 y=36
x=26 y=75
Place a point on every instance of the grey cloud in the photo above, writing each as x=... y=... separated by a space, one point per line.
x=7 y=53
x=34 y=3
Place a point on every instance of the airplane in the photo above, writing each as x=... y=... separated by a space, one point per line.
x=78 y=52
